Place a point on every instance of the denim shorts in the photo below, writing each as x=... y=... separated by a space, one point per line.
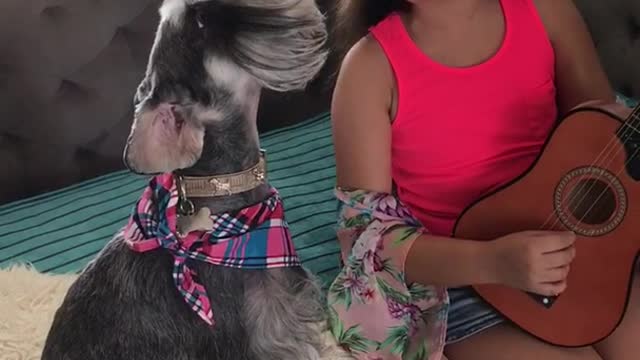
x=468 y=315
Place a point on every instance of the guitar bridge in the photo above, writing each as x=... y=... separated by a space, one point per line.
x=546 y=301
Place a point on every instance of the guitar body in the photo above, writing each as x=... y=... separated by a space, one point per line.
x=576 y=186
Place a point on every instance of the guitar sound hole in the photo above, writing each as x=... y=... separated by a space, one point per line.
x=592 y=201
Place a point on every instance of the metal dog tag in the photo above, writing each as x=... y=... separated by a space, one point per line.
x=198 y=222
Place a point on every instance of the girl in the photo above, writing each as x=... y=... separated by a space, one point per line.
x=438 y=102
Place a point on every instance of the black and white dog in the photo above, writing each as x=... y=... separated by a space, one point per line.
x=195 y=120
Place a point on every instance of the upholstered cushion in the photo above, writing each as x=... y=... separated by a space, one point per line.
x=615 y=29
x=68 y=71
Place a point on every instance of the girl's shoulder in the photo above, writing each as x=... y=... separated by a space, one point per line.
x=366 y=64
x=366 y=52
x=556 y=15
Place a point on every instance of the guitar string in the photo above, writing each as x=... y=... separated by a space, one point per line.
x=624 y=137
x=605 y=150
x=605 y=191
x=627 y=130
x=624 y=166
x=630 y=130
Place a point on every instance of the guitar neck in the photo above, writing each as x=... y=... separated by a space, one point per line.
x=631 y=126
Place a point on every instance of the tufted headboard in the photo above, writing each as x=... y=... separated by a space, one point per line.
x=68 y=70
x=615 y=29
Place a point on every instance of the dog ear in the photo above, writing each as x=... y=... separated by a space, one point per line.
x=281 y=43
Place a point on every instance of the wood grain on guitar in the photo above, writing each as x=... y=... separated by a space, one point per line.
x=585 y=180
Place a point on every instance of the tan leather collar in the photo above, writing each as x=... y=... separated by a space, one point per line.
x=223 y=185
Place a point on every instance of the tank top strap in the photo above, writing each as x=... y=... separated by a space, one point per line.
x=526 y=34
x=523 y=16
x=390 y=35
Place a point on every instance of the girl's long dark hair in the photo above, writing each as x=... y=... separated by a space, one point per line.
x=352 y=19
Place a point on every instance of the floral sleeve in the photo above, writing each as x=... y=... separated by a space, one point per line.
x=374 y=313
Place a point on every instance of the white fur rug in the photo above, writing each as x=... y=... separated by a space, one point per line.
x=28 y=301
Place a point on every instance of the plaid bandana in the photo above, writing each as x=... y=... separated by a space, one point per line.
x=256 y=237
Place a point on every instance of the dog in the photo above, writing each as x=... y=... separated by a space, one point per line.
x=174 y=283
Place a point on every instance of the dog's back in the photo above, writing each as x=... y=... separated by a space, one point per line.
x=125 y=306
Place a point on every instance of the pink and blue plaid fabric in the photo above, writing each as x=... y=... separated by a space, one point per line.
x=256 y=237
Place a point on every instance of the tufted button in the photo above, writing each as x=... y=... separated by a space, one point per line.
x=53 y=12
x=5 y=69
x=70 y=91
x=8 y=140
x=634 y=28
x=122 y=31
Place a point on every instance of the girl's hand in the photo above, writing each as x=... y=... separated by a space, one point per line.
x=534 y=261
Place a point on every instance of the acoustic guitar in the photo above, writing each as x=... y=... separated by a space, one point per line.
x=584 y=180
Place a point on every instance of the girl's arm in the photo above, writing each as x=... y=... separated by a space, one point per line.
x=579 y=74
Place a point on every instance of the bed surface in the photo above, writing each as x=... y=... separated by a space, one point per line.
x=62 y=231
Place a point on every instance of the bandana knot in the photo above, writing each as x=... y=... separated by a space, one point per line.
x=256 y=237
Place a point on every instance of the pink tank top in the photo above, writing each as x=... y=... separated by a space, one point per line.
x=462 y=132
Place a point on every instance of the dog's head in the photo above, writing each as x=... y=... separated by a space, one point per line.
x=208 y=63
